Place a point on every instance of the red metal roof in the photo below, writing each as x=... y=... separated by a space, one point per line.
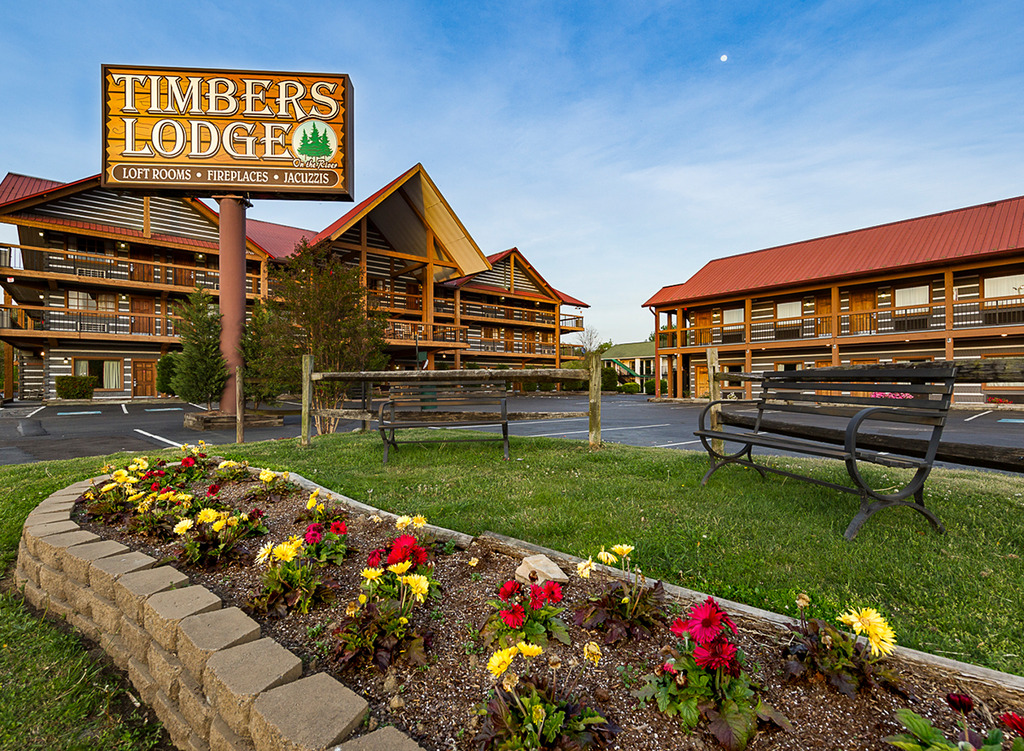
x=278 y=240
x=14 y=187
x=957 y=235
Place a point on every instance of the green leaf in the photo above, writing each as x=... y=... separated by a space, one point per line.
x=921 y=728
x=767 y=712
x=733 y=725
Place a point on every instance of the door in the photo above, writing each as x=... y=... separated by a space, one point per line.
x=863 y=361
x=862 y=305
x=143 y=320
x=141 y=265
x=700 y=374
x=143 y=378
x=702 y=322
x=825 y=364
x=823 y=316
x=184 y=277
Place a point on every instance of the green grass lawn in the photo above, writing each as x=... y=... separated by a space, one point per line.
x=757 y=541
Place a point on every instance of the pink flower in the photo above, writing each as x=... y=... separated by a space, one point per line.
x=509 y=588
x=706 y=622
x=553 y=592
x=373 y=559
x=255 y=515
x=678 y=627
x=536 y=597
x=1013 y=721
x=716 y=654
x=314 y=534
x=338 y=528
x=514 y=616
x=669 y=668
x=212 y=490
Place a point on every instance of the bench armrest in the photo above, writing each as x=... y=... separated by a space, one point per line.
x=707 y=409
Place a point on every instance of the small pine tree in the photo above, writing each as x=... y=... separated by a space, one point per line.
x=270 y=354
x=201 y=372
x=165 y=368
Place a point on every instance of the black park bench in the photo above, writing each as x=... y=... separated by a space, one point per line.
x=824 y=412
x=443 y=405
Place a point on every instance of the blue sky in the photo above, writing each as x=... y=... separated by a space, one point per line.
x=608 y=141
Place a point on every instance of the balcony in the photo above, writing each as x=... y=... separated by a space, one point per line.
x=512 y=347
x=507 y=313
x=426 y=334
x=34 y=322
x=571 y=351
x=571 y=322
x=395 y=302
x=123 y=272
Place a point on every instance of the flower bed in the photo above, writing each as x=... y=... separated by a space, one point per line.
x=444 y=675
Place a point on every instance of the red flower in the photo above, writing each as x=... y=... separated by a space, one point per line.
x=188 y=461
x=405 y=541
x=717 y=654
x=255 y=515
x=509 y=588
x=553 y=592
x=536 y=597
x=155 y=486
x=373 y=559
x=338 y=528
x=706 y=621
x=514 y=616
x=669 y=668
x=960 y=703
x=678 y=627
x=314 y=534
x=212 y=490
x=397 y=555
x=419 y=555
x=1013 y=721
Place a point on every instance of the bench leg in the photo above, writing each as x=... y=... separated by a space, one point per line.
x=869 y=507
x=736 y=458
x=388 y=442
x=504 y=435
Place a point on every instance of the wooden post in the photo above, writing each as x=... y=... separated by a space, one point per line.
x=307 y=396
x=715 y=391
x=595 y=398
x=239 y=405
x=367 y=392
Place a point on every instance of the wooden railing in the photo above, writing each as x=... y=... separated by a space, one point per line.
x=507 y=313
x=571 y=322
x=75 y=320
x=413 y=331
x=512 y=346
x=571 y=351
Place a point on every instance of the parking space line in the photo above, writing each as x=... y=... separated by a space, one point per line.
x=670 y=445
x=198 y=406
x=158 y=438
x=36 y=411
x=980 y=414
x=603 y=430
x=124 y=408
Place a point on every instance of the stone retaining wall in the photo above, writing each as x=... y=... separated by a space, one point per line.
x=203 y=668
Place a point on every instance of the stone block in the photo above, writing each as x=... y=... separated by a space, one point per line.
x=384 y=739
x=105 y=613
x=200 y=636
x=193 y=704
x=165 y=669
x=195 y=742
x=52 y=582
x=105 y=571
x=136 y=638
x=50 y=549
x=28 y=566
x=286 y=718
x=78 y=560
x=38 y=517
x=162 y=612
x=79 y=598
x=114 y=646
x=35 y=596
x=85 y=626
x=143 y=680
x=50 y=527
x=131 y=590
x=174 y=722
x=223 y=738
x=234 y=677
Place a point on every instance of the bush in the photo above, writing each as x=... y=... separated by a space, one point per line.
x=547 y=386
x=649 y=386
x=609 y=379
x=165 y=368
x=630 y=388
x=76 y=387
x=529 y=386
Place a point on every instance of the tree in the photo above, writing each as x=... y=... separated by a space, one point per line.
x=328 y=315
x=200 y=372
x=165 y=368
x=270 y=370
x=590 y=340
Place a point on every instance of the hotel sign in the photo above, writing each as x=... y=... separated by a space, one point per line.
x=203 y=132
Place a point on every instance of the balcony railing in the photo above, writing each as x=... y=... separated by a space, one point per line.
x=571 y=351
x=426 y=333
x=119 y=269
x=572 y=322
x=395 y=301
x=72 y=320
x=507 y=313
x=512 y=346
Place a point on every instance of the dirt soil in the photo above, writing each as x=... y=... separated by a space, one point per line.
x=438 y=704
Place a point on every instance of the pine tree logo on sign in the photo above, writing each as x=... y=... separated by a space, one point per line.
x=314 y=143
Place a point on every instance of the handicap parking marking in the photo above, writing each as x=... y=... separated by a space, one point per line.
x=164 y=409
x=1009 y=419
x=62 y=414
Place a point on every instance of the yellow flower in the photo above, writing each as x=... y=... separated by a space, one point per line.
x=418 y=584
x=232 y=521
x=500 y=660
x=207 y=515
x=284 y=552
x=143 y=507
x=133 y=467
x=352 y=609
x=583 y=568
x=606 y=558
x=284 y=476
x=402 y=522
x=403 y=620
x=119 y=476
x=136 y=496
x=419 y=521
x=473 y=562
x=182 y=497
x=881 y=637
x=624 y=601
x=320 y=508
x=372 y=574
x=244 y=517
x=227 y=464
x=376 y=519
x=183 y=526
x=538 y=715
x=510 y=681
x=108 y=487
x=592 y=652
x=311 y=503
x=264 y=555
x=142 y=463
x=400 y=568
x=802 y=600
x=529 y=650
x=622 y=550
x=219 y=525
x=130 y=480
x=267 y=476
x=362 y=599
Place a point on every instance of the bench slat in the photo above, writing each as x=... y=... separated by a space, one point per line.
x=904 y=416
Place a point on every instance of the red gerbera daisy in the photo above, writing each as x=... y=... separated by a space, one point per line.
x=405 y=541
x=509 y=588
x=188 y=461
x=678 y=627
x=553 y=592
x=717 y=654
x=706 y=621
x=314 y=534
x=419 y=555
x=212 y=490
x=514 y=616
x=1013 y=721
x=373 y=559
x=338 y=528
x=155 y=486
x=536 y=597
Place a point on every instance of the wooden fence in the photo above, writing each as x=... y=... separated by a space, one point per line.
x=590 y=375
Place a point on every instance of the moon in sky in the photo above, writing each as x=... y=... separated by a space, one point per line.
x=723 y=58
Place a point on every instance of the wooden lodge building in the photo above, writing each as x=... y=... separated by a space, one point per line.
x=947 y=286
x=91 y=284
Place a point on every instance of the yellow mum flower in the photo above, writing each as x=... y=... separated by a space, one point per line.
x=182 y=497
x=529 y=650
x=402 y=522
x=232 y=521
x=207 y=515
x=500 y=660
x=284 y=476
x=119 y=476
x=136 y=496
x=606 y=558
x=108 y=487
x=219 y=525
x=592 y=652
x=133 y=467
x=473 y=561
x=227 y=464
x=142 y=463
x=622 y=550
x=418 y=584
x=265 y=552
x=352 y=609
x=419 y=521
x=284 y=552
x=583 y=568
x=400 y=568
x=881 y=637
x=183 y=526
x=267 y=476
x=362 y=599
x=376 y=519
x=130 y=480
x=319 y=508
x=372 y=574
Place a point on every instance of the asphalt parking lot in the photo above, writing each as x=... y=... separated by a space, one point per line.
x=36 y=432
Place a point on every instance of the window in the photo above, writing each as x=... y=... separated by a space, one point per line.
x=1005 y=286
x=907 y=296
x=81 y=300
x=789 y=309
x=732 y=315
x=106 y=372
